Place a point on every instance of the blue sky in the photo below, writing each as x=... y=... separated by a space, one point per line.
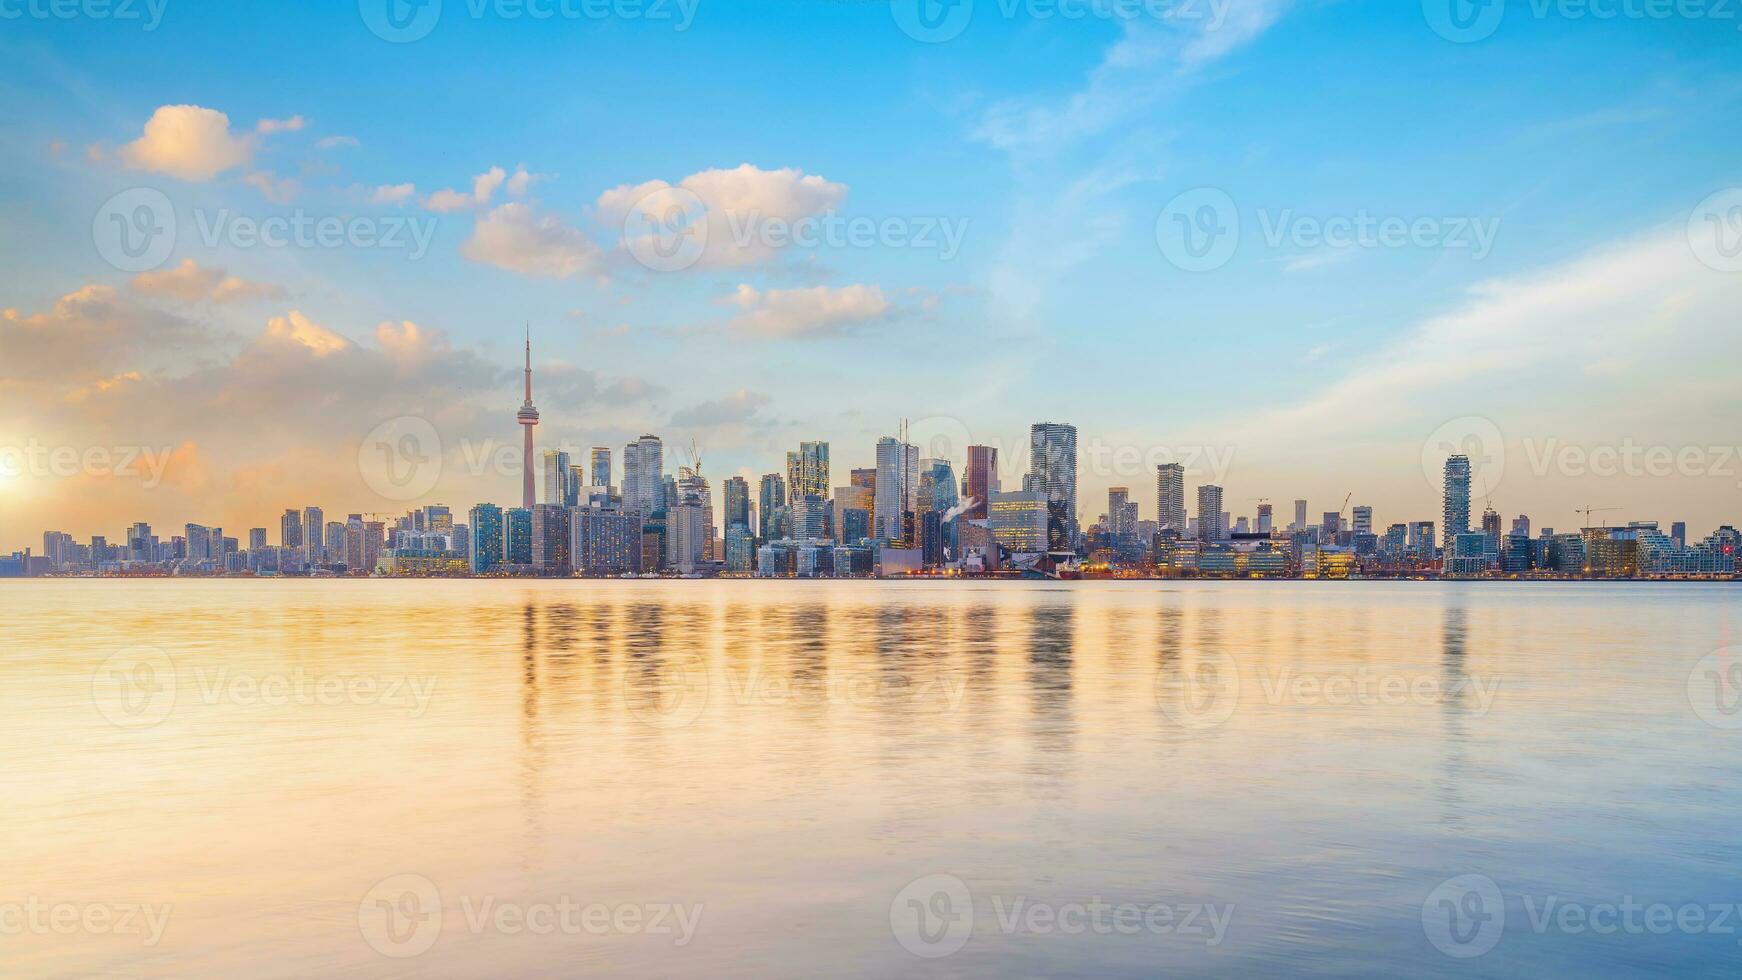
x=1585 y=144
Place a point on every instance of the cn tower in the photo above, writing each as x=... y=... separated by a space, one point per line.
x=528 y=418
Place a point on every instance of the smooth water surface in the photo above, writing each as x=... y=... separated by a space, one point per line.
x=706 y=779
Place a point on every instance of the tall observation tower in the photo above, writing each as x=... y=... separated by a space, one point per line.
x=528 y=417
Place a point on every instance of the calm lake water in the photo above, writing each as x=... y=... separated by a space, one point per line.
x=705 y=779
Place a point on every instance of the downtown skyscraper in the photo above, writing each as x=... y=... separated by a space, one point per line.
x=981 y=480
x=897 y=485
x=1052 y=466
x=644 y=476
x=1170 y=497
x=1456 y=499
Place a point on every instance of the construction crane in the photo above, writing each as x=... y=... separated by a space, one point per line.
x=1588 y=511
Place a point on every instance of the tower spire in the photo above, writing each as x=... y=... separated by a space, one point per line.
x=527 y=417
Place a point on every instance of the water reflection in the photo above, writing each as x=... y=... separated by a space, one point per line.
x=792 y=755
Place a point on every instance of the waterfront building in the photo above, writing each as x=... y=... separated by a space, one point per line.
x=737 y=490
x=517 y=536
x=771 y=497
x=603 y=542
x=740 y=548
x=1170 y=497
x=599 y=465
x=807 y=471
x=290 y=529
x=1052 y=461
x=644 y=476
x=980 y=480
x=1210 y=526
x=486 y=550
x=1456 y=500
x=1019 y=520
x=897 y=487
x=313 y=520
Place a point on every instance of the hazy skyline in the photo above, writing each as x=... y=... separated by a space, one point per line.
x=995 y=215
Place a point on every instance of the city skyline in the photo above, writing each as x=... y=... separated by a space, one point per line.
x=1018 y=265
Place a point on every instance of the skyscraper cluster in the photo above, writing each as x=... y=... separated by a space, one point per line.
x=906 y=515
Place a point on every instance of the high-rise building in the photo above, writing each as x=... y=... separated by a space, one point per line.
x=807 y=471
x=1521 y=525
x=550 y=539
x=528 y=418
x=312 y=522
x=1363 y=519
x=644 y=476
x=1052 y=461
x=1300 y=511
x=770 y=499
x=897 y=486
x=685 y=536
x=556 y=478
x=981 y=479
x=1170 y=497
x=853 y=507
x=604 y=542
x=487 y=538
x=1121 y=515
x=517 y=536
x=1266 y=519
x=256 y=538
x=1456 y=519
x=600 y=464
x=737 y=501
x=1020 y=519
x=1678 y=532
x=740 y=549
x=938 y=489
x=1210 y=521
x=692 y=487
x=290 y=529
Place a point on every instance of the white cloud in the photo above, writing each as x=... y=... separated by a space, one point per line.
x=733 y=204
x=296 y=329
x=188 y=141
x=191 y=282
x=267 y=127
x=393 y=193
x=336 y=142
x=819 y=311
x=517 y=238
x=484 y=188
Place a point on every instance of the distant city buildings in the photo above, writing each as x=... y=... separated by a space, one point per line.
x=904 y=516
